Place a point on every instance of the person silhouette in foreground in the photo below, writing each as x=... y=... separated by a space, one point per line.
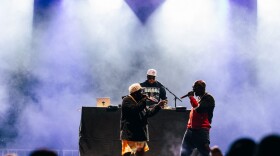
x=242 y=147
x=216 y=151
x=43 y=152
x=269 y=146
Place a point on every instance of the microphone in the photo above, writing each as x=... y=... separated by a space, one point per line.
x=184 y=96
x=188 y=94
x=152 y=100
x=147 y=97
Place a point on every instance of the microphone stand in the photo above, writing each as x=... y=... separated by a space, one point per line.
x=175 y=97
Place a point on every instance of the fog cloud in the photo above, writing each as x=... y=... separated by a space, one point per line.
x=54 y=65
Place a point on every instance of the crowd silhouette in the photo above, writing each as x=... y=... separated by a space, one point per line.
x=268 y=146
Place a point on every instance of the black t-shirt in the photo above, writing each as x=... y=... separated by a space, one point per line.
x=154 y=91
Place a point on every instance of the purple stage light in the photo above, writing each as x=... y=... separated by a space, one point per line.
x=144 y=9
x=44 y=10
x=250 y=5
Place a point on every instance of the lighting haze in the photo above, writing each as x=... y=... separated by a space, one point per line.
x=56 y=58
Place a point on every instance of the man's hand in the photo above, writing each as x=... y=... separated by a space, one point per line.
x=191 y=93
x=144 y=96
x=162 y=103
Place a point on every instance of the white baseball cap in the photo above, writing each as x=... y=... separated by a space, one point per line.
x=152 y=72
x=134 y=87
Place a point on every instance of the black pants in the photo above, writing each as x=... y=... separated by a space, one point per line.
x=196 y=138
